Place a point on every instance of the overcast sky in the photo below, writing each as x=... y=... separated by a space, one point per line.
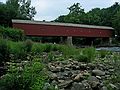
x=50 y=9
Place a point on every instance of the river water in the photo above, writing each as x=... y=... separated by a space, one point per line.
x=114 y=49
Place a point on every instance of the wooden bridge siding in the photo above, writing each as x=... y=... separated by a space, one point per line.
x=56 y=30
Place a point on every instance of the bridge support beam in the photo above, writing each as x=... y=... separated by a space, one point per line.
x=69 y=41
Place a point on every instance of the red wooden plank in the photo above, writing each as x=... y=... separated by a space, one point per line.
x=56 y=30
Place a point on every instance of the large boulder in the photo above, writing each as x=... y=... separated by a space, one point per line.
x=98 y=72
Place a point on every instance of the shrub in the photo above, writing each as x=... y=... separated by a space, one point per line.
x=12 y=34
x=68 y=51
x=4 y=51
x=82 y=58
x=48 y=48
x=37 y=48
x=51 y=57
x=31 y=77
x=89 y=52
x=17 y=49
x=103 y=53
x=55 y=47
x=28 y=45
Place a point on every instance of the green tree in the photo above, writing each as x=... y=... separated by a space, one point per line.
x=16 y=9
x=75 y=15
x=116 y=23
x=76 y=9
x=108 y=14
x=4 y=17
x=21 y=9
x=94 y=16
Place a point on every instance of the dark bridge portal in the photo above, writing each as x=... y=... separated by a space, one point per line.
x=37 y=28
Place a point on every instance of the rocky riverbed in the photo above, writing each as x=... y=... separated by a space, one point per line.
x=74 y=75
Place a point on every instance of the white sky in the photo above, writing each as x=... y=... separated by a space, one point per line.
x=50 y=9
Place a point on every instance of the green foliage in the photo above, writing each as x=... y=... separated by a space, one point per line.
x=12 y=34
x=4 y=51
x=48 y=47
x=109 y=16
x=116 y=23
x=75 y=15
x=17 y=50
x=68 y=51
x=55 y=47
x=86 y=55
x=25 y=10
x=4 y=17
x=16 y=9
x=51 y=57
x=90 y=53
x=28 y=45
x=103 y=53
x=82 y=58
x=37 y=48
x=31 y=77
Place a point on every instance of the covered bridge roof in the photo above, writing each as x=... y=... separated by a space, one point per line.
x=60 y=24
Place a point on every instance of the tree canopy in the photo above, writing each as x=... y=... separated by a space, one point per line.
x=16 y=9
x=106 y=17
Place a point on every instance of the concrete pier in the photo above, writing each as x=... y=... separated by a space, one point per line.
x=69 y=41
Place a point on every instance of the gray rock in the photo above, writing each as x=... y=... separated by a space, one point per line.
x=91 y=65
x=79 y=77
x=68 y=66
x=54 y=82
x=52 y=68
x=53 y=76
x=65 y=84
x=111 y=70
x=58 y=68
x=113 y=86
x=104 y=88
x=93 y=81
x=98 y=72
x=78 y=86
x=86 y=85
x=61 y=81
x=83 y=66
x=46 y=86
x=68 y=69
x=74 y=67
x=98 y=77
x=62 y=89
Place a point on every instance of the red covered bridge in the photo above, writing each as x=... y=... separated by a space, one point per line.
x=37 y=28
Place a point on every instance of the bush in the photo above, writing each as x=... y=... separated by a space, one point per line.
x=48 y=48
x=12 y=34
x=31 y=77
x=17 y=50
x=4 y=51
x=37 y=48
x=68 y=51
x=82 y=58
x=28 y=45
x=103 y=53
x=89 y=52
x=55 y=47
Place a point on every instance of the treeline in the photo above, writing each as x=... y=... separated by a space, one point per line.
x=16 y=9
x=106 y=17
